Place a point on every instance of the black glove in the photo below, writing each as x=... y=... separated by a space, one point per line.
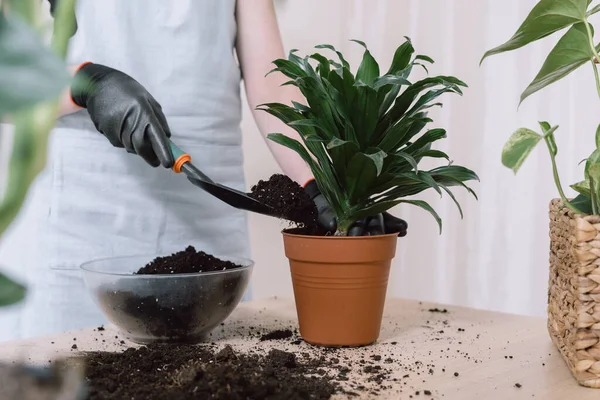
x=326 y=216
x=53 y=4
x=377 y=225
x=124 y=112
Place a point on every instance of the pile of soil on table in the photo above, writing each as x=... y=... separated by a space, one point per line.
x=181 y=315
x=203 y=372
x=288 y=199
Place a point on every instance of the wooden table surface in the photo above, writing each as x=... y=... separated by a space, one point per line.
x=491 y=352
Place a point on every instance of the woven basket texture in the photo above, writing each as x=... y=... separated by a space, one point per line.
x=574 y=291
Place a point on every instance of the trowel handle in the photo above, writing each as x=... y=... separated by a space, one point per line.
x=179 y=156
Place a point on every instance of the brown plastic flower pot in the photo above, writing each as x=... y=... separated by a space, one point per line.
x=340 y=286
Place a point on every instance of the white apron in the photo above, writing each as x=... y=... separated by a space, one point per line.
x=94 y=200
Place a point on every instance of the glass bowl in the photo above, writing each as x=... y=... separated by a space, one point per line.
x=178 y=308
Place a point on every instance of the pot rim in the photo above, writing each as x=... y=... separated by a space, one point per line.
x=386 y=235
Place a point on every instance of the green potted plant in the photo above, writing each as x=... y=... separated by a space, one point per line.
x=363 y=138
x=574 y=284
x=32 y=77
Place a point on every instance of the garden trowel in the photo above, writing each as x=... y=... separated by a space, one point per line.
x=233 y=197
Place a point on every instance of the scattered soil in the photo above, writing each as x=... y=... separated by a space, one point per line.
x=180 y=315
x=277 y=364
x=277 y=335
x=186 y=262
x=437 y=310
x=193 y=372
x=288 y=199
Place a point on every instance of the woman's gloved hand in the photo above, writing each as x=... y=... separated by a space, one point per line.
x=124 y=112
x=377 y=225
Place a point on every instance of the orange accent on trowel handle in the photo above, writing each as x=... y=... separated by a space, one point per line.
x=180 y=156
x=184 y=158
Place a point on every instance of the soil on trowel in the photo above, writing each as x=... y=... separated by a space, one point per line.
x=186 y=262
x=175 y=316
x=288 y=199
x=203 y=372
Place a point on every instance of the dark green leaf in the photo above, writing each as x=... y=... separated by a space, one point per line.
x=30 y=73
x=341 y=152
x=433 y=154
x=598 y=137
x=449 y=180
x=326 y=182
x=422 y=66
x=518 y=147
x=399 y=134
x=10 y=291
x=455 y=171
x=377 y=208
x=425 y=206
x=288 y=68
x=583 y=203
x=390 y=93
x=339 y=54
x=364 y=115
x=425 y=58
x=429 y=137
x=401 y=58
x=571 y=52
x=546 y=18
x=300 y=107
x=389 y=80
x=325 y=135
x=426 y=178
x=361 y=174
x=410 y=159
x=294 y=145
x=324 y=66
x=406 y=99
x=368 y=70
x=447 y=190
x=360 y=42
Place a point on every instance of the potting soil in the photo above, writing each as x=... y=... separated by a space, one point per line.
x=288 y=199
x=185 y=262
x=203 y=372
x=180 y=315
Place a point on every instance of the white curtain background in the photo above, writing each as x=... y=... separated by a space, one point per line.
x=497 y=256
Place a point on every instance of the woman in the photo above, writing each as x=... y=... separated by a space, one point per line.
x=159 y=70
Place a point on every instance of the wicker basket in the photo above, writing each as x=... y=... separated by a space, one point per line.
x=574 y=291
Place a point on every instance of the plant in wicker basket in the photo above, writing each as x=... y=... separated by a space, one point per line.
x=574 y=286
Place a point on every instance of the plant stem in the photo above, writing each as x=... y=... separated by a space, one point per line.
x=32 y=126
x=594 y=197
x=595 y=53
x=557 y=178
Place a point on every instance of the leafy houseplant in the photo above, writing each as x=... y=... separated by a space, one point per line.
x=362 y=136
x=32 y=78
x=574 y=287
